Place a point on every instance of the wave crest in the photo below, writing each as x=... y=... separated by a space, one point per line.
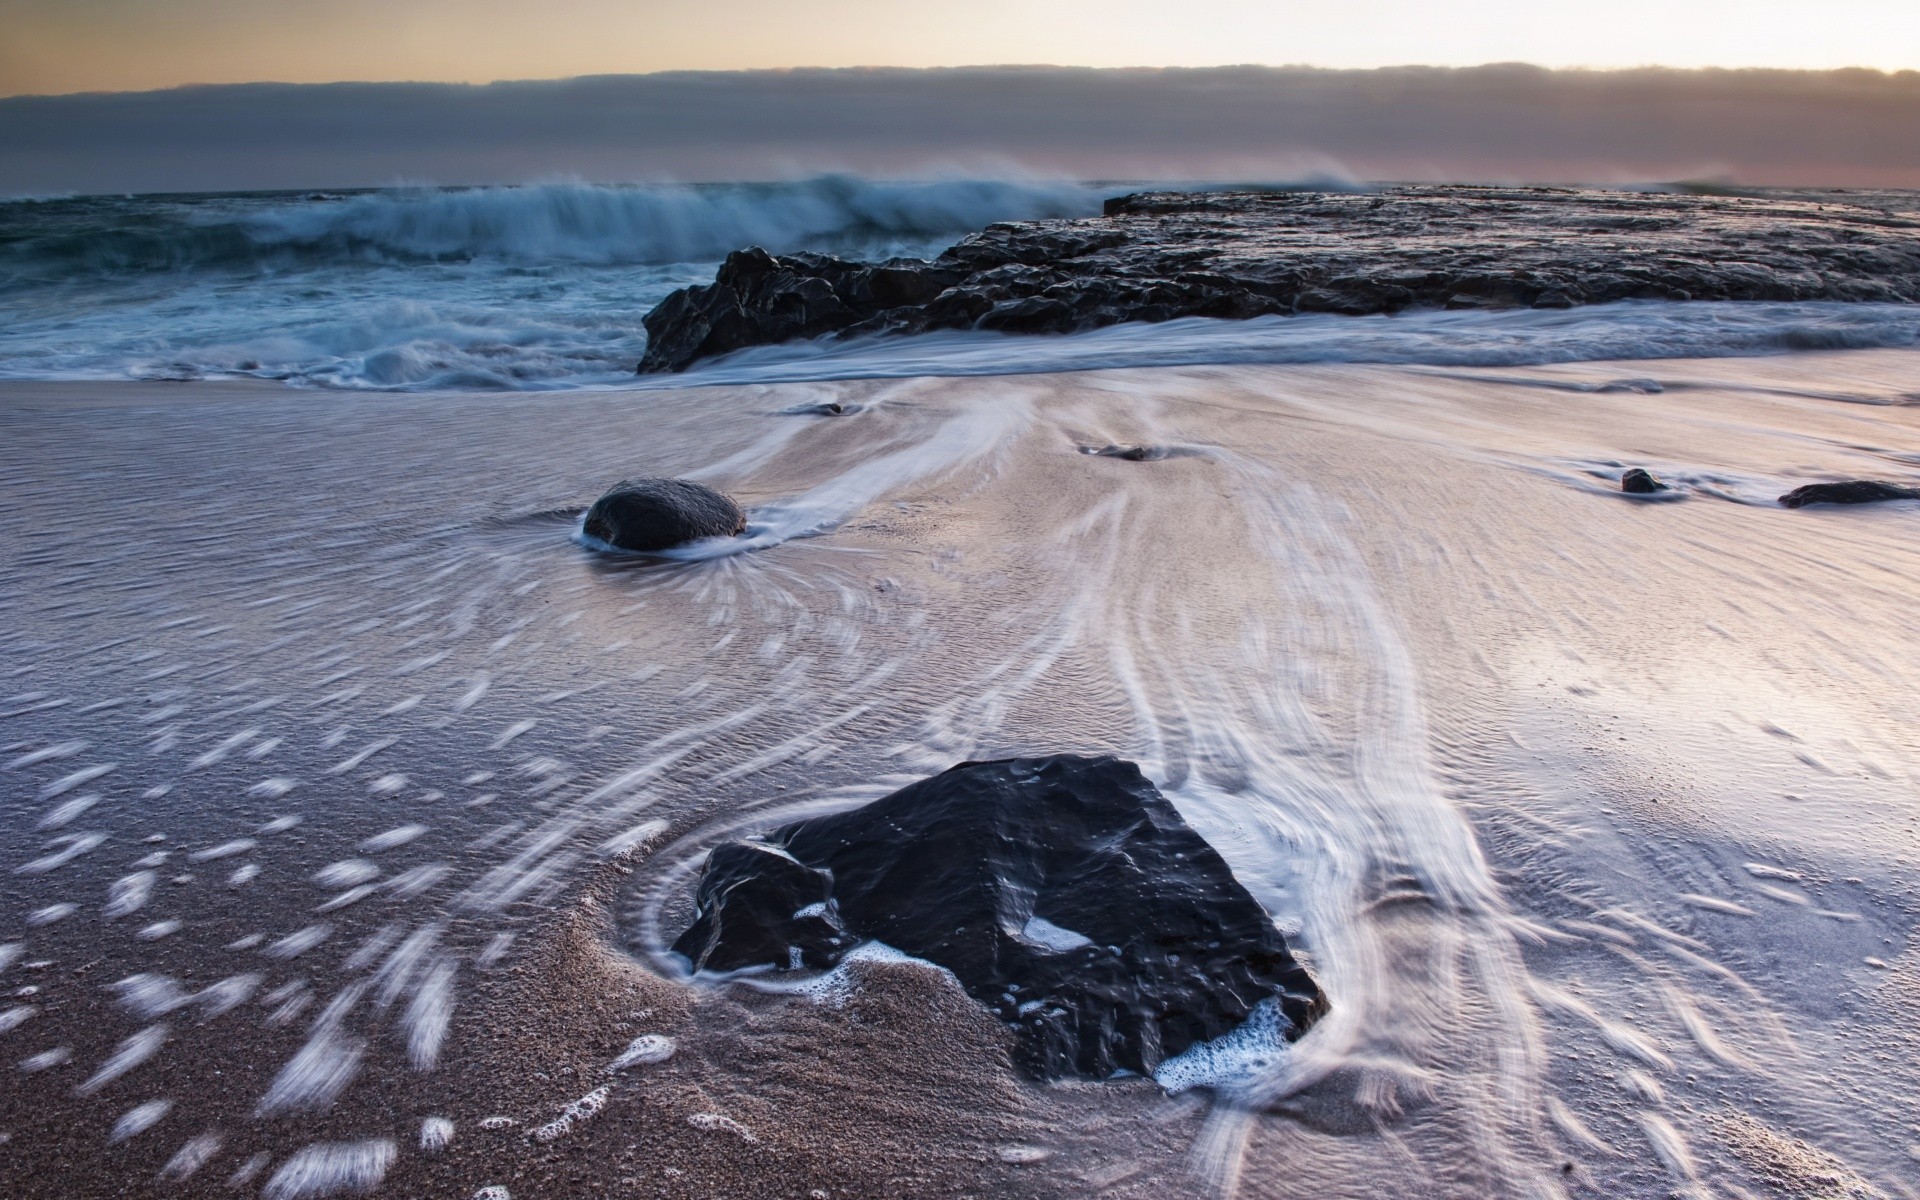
x=551 y=223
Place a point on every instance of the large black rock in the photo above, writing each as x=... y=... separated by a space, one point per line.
x=1065 y=893
x=1852 y=491
x=1156 y=256
x=658 y=514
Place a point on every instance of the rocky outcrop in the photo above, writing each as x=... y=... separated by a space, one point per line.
x=1064 y=893
x=1155 y=256
x=659 y=514
x=1852 y=491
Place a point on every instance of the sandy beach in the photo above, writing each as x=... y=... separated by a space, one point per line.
x=346 y=790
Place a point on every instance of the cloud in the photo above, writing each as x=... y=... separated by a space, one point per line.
x=1501 y=122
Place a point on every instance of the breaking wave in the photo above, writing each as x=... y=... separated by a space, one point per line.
x=539 y=223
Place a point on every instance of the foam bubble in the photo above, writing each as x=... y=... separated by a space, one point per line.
x=579 y=1112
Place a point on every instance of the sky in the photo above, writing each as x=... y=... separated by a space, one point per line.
x=60 y=46
x=1239 y=124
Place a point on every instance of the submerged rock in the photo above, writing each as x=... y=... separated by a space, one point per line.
x=658 y=514
x=1640 y=483
x=1852 y=491
x=1157 y=256
x=1065 y=893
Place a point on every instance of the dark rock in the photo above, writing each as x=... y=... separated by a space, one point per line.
x=1640 y=483
x=758 y=904
x=1130 y=453
x=658 y=514
x=1157 y=256
x=1853 y=491
x=1064 y=893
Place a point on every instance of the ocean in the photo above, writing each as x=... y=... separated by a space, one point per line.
x=542 y=287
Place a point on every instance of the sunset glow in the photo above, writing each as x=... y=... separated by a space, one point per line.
x=56 y=46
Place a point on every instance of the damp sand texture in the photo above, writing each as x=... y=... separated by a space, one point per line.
x=351 y=802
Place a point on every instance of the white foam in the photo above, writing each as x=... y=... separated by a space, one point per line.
x=436 y=1134
x=331 y=1168
x=1043 y=932
x=398 y=836
x=315 y=1076
x=645 y=1050
x=128 y=894
x=1254 y=1049
x=720 y=1123
x=1632 y=329
x=136 y=1049
x=193 y=1154
x=75 y=846
x=138 y=1120
x=579 y=1112
x=346 y=873
x=58 y=1056
x=66 y=812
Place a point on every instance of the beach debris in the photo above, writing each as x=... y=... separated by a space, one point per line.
x=1641 y=483
x=1065 y=893
x=659 y=514
x=1852 y=491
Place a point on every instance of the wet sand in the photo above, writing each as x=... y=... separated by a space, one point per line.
x=1594 y=815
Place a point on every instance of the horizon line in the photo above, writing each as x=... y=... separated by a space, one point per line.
x=875 y=68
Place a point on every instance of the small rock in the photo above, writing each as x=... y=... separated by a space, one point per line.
x=1852 y=491
x=659 y=514
x=1130 y=453
x=1640 y=483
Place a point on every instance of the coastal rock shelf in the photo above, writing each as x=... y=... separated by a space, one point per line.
x=1155 y=256
x=1065 y=893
